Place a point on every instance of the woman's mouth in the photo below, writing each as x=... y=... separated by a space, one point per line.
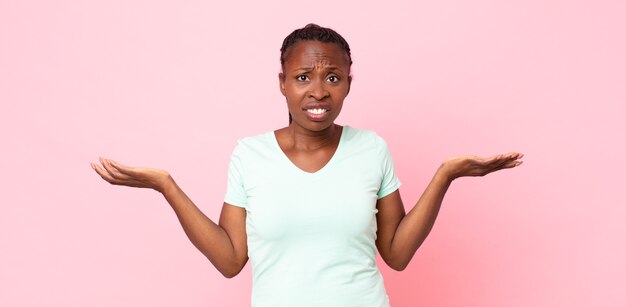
x=317 y=114
x=316 y=111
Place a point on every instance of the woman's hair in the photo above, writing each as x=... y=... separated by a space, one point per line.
x=313 y=32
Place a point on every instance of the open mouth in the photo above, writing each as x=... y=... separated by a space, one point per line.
x=317 y=111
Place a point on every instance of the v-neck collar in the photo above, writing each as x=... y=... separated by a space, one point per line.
x=324 y=168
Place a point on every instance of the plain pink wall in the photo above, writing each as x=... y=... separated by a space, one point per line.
x=174 y=84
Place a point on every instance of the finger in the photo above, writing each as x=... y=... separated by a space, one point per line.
x=497 y=163
x=510 y=164
x=103 y=173
x=106 y=166
x=514 y=155
x=127 y=170
x=507 y=158
x=497 y=160
x=115 y=181
x=111 y=170
x=486 y=162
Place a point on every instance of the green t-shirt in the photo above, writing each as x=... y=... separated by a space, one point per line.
x=311 y=235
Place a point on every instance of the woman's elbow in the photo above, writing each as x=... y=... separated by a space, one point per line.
x=398 y=266
x=230 y=272
x=231 y=268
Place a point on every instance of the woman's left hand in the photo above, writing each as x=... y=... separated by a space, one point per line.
x=479 y=166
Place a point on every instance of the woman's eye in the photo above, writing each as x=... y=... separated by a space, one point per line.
x=333 y=79
x=302 y=78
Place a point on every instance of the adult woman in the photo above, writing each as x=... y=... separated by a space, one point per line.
x=312 y=202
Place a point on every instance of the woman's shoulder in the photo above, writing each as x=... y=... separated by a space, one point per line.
x=257 y=138
x=256 y=143
x=363 y=136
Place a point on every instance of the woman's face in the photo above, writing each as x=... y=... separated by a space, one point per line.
x=315 y=81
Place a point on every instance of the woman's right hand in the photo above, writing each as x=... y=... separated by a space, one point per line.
x=224 y=244
x=139 y=177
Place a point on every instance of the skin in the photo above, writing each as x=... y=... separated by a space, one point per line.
x=314 y=74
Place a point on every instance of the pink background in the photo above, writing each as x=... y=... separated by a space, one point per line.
x=174 y=84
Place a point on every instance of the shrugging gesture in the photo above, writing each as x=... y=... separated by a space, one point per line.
x=314 y=248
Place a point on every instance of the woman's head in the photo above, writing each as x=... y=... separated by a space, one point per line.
x=313 y=32
x=315 y=64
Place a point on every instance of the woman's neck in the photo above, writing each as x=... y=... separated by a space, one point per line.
x=302 y=139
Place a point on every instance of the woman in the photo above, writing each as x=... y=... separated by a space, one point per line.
x=311 y=203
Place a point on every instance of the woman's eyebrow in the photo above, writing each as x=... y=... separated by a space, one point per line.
x=310 y=68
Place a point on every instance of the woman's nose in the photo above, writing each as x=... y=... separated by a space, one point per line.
x=318 y=90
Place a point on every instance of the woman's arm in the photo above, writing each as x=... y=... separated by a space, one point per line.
x=224 y=244
x=400 y=235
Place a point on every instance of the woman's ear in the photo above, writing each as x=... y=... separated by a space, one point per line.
x=281 y=83
x=349 y=83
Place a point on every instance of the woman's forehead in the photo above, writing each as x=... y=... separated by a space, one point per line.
x=315 y=53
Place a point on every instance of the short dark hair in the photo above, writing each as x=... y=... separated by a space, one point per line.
x=313 y=32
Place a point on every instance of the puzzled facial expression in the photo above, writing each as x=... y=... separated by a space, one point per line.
x=315 y=81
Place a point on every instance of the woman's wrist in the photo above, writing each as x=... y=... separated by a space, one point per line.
x=166 y=185
x=446 y=172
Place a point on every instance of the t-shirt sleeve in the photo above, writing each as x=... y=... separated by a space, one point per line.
x=235 y=190
x=390 y=182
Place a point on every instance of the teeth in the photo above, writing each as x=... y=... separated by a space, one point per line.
x=316 y=111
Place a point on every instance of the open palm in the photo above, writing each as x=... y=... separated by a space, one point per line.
x=139 y=177
x=480 y=166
